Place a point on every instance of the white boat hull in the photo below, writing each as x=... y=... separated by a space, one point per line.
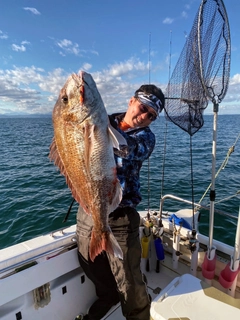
x=41 y=279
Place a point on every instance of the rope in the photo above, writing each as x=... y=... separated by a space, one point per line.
x=225 y=161
x=235 y=195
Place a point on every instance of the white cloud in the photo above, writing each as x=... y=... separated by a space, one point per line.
x=68 y=47
x=86 y=66
x=64 y=43
x=168 y=21
x=21 y=47
x=232 y=98
x=33 y=90
x=94 y=52
x=25 y=42
x=16 y=47
x=236 y=79
x=53 y=81
x=20 y=90
x=117 y=84
x=184 y=14
x=126 y=67
x=3 y=35
x=33 y=10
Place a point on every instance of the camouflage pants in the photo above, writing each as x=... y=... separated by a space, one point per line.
x=117 y=279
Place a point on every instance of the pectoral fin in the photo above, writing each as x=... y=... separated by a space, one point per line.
x=116 y=138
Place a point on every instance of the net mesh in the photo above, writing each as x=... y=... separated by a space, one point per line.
x=202 y=71
x=214 y=48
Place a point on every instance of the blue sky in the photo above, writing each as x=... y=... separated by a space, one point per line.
x=43 y=42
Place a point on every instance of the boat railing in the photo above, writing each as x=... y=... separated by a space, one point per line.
x=29 y=262
x=35 y=249
x=197 y=205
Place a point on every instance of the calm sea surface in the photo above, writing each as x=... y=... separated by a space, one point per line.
x=34 y=198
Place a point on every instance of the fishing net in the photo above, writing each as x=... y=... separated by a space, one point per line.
x=201 y=74
x=215 y=49
x=202 y=71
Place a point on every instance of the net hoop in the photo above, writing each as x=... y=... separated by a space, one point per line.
x=214 y=45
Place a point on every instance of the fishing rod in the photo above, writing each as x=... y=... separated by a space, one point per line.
x=149 y=81
x=150 y=229
x=145 y=239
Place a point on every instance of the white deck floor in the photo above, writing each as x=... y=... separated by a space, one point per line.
x=154 y=280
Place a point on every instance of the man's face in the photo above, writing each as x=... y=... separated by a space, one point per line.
x=139 y=114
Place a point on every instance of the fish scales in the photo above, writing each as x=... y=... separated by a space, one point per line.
x=82 y=148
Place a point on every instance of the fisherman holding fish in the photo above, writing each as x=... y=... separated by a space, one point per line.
x=101 y=157
x=118 y=279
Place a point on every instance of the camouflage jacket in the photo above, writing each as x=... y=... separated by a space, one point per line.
x=141 y=142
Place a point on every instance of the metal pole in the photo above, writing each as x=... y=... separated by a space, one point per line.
x=212 y=192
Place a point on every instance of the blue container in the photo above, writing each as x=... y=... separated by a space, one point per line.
x=159 y=249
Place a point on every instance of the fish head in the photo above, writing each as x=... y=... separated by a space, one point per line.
x=77 y=99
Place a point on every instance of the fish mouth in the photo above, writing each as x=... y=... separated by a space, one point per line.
x=78 y=78
x=80 y=82
x=81 y=75
x=84 y=88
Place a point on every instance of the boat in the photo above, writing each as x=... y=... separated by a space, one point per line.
x=189 y=275
x=41 y=278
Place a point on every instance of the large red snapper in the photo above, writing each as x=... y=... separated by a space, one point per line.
x=82 y=148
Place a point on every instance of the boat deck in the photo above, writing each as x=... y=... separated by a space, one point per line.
x=41 y=279
x=156 y=282
x=203 y=301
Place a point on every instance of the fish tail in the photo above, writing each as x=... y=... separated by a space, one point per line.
x=106 y=242
x=112 y=246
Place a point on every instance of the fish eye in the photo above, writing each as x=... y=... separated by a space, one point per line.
x=65 y=99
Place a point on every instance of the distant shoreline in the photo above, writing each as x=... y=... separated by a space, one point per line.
x=3 y=116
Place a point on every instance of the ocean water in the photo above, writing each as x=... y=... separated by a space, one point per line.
x=34 y=197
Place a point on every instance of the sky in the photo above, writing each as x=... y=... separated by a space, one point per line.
x=122 y=43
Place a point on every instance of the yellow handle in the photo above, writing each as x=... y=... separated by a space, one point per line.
x=145 y=245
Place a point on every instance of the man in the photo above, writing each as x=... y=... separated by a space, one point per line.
x=115 y=279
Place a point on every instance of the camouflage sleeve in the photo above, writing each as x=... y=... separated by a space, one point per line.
x=140 y=145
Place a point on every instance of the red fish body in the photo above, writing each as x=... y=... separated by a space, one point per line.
x=82 y=148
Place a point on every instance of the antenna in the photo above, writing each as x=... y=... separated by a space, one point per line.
x=166 y=125
x=149 y=59
x=170 y=56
